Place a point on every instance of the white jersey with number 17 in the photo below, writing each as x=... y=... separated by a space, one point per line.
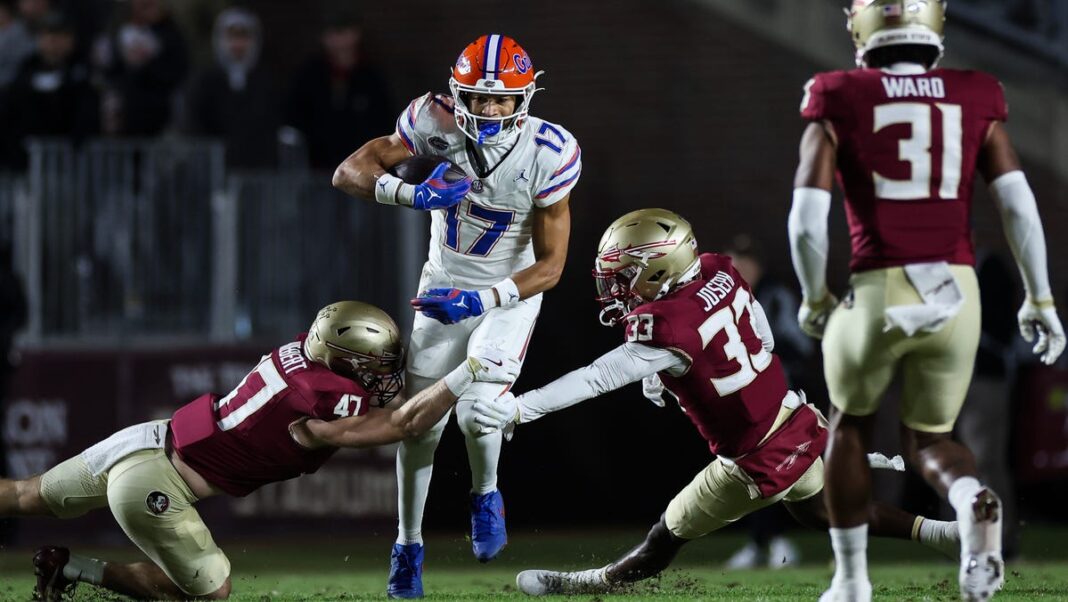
x=487 y=237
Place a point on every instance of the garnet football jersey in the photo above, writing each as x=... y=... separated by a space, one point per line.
x=734 y=388
x=907 y=152
x=241 y=442
x=487 y=237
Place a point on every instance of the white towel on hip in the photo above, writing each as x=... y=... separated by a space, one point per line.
x=147 y=435
x=942 y=300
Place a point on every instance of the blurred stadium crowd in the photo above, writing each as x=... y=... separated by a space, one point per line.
x=146 y=68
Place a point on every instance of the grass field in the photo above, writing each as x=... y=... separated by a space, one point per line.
x=356 y=569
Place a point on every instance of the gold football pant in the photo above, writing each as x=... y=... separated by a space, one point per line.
x=153 y=505
x=860 y=358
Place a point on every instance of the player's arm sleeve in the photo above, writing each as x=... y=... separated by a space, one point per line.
x=1023 y=229
x=560 y=165
x=630 y=362
x=409 y=122
x=814 y=99
x=763 y=327
x=807 y=228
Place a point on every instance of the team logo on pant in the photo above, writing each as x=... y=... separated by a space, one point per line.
x=477 y=186
x=158 y=502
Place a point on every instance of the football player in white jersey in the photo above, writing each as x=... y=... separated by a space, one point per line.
x=497 y=242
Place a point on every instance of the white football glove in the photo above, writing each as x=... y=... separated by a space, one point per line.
x=1041 y=317
x=494 y=366
x=501 y=414
x=653 y=389
x=812 y=316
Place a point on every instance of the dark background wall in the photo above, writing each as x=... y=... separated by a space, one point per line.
x=673 y=107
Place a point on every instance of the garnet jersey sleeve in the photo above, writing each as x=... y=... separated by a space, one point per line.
x=557 y=162
x=421 y=119
x=822 y=98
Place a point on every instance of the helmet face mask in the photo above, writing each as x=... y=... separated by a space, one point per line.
x=882 y=23
x=642 y=257
x=492 y=65
x=361 y=342
x=615 y=293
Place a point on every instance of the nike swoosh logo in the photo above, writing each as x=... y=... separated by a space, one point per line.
x=495 y=363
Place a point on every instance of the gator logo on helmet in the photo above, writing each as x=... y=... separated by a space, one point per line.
x=522 y=62
x=614 y=254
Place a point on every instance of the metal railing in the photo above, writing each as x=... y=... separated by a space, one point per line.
x=135 y=239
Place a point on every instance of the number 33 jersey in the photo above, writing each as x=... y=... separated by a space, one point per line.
x=487 y=237
x=908 y=145
x=241 y=442
x=733 y=388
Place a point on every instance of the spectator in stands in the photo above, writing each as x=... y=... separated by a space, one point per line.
x=144 y=61
x=32 y=11
x=235 y=98
x=337 y=101
x=16 y=43
x=768 y=544
x=985 y=420
x=52 y=94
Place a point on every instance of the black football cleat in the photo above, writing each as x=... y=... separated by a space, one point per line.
x=48 y=563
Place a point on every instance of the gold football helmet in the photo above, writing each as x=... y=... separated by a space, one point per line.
x=642 y=256
x=361 y=342
x=879 y=23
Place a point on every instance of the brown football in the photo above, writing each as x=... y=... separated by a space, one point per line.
x=415 y=170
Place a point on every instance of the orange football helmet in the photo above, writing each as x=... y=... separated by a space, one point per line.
x=493 y=64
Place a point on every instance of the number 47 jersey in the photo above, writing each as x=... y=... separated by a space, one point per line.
x=487 y=236
x=908 y=144
x=241 y=442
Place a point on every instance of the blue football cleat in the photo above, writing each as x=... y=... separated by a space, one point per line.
x=488 y=534
x=406 y=571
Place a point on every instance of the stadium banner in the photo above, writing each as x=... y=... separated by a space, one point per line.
x=63 y=401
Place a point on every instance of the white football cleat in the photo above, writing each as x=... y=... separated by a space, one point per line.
x=782 y=553
x=851 y=590
x=982 y=570
x=545 y=583
x=748 y=557
x=539 y=583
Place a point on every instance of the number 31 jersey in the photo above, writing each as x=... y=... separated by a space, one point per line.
x=487 y=237
x=907 y=151
x=241 y=442
x=733 y=388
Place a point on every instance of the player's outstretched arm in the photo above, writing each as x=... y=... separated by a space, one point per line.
x=415 y=417
x=623 y=365
x=357 y=174
x=807 y=226
x=1023 y=229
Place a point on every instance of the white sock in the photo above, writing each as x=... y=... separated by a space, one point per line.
x=850 y=553
x=84 y=569
x=483 y=453
x=961 y=494
x=483 y=450
x=415 y=466
x=941 y=535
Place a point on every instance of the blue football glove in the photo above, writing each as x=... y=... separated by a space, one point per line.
x=436 y=193
x=448 y=305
